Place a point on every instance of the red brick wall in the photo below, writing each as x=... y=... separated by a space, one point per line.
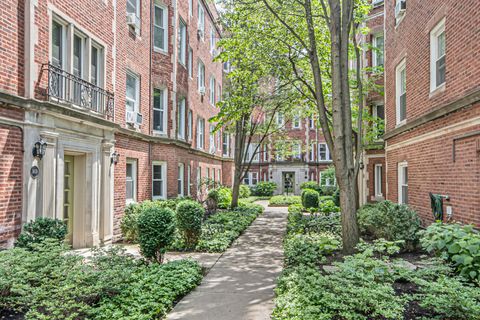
x=11 y=167
x=375 y=157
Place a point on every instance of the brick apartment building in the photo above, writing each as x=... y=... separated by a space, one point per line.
x=115 y=97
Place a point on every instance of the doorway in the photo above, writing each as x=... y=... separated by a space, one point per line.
x=68 y=195
x=288 y=182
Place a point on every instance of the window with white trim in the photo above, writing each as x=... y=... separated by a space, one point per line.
x=378 y=180
x=181 y=119
x=131 y=181
x=189 y=180
x=200 y=133
x=312 y=151
x=190 y=62
x=265 y=153
x=201 y=20
x=226 y=144
x=219 y=174
x=133 y=7
x=401 y=92
x=437 y=56
x=327 y=180
x=324 y=152
x=201 y=76
x=297 y=151
x=296 y=122
x=160 y=28
x=160 y=110
x=212 y=90
x=199 y=178
x=311 y=122
x=403 y=183
x=212 y=39
x=180 y=179
x=250 y=179
x=182 y=42
x=378 y=49
x=190 y=8
x=59 y=46
x=190 y=125
x=211 y=139
x=159 y=180
x=280 y=119
x=132 y=92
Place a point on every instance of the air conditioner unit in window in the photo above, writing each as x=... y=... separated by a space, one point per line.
x=130 y=117
x=200 y=33
x=132 y=19
x=139 y=119
x=202 y=91
x=400 y=7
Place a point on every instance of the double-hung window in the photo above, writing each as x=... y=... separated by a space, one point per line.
x=296 y=121
x=226 y=144
x=201 y=20
x=190 y=62
x=250 y=179
x=181 y=119
x=378 y=113
x=199 y=178
x=132 y=92
x=265 y=153
x=437 y=56
x=131 y=181
x=212 y=39
x=58 y=44
x=182 y=42
x=201 y=133
x=324 y=152
x=160 y=110
x=180 y=179
x=201 y=76
x=133 y=8
x=297 y=151
x=401 y=92
x=212 y=90
x=311 y=122
x=312 y=151
x=190 y=125
x=160 y=28
x=159 y=180
x=378 y=49
x=280 y=119
x=189 y=180
x=378 y=180
x=211 y=139
x=403 y=183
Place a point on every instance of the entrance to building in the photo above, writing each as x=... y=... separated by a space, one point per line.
x=68 y=195
x=288 y=182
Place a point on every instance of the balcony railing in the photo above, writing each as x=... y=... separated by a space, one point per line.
x=68 y=88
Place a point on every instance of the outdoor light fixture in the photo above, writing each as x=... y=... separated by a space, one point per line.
x=39 y=149
x=115 y=157
x=362 y=166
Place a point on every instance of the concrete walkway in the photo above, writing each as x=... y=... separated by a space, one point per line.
x=240 y=285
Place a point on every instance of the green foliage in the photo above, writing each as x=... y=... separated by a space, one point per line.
x=310 y=185
x=156 y=230
x=308 y=224
x=128 y=224
x=328 y=190
x=328 y=207
x=189 y=221
x=38 y=230
x=285 y=201
x=381 y=246
x=244 y=191
x=309 y=249
x=457 y=244
x=310 y=198
x=49 y=284
x=224 y=198
x=264 y=189
x=390 y=221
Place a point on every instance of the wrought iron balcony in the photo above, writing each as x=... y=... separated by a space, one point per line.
x=67 y=88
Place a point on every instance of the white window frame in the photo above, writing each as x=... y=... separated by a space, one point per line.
x=136 y=102
x=256 y=155
x=190 y=62
x=328 y=156
x=212 y=90
x=312 y=151
x=189 y=180
x=297 y=122
x=133 y=163
x=438 y=30
x=201 y=20
x=402 y=181
x=181 y=108
x=265 y=153
x=212 y=39
x=201 y=75
x=249 y=179
x=181 y=179
x=297 y=150
x=182 y=42
x=219 y=175
x=164 y=110
x=280 y=119
x=378 y=177
x=190 y=8
x=375 y=51
x=402 y=67
x=190 y=125
x=211 y=139
x=163 y=27
x=200 y=133
x=225 y=144
x=311 y=123
x=163 y=180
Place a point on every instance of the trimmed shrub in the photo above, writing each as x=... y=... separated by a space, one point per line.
x=390 y=221
x=156 y=230
x=40 y=229
x=310 y=185
x=264 y=189
x=281 y=200
x=310 y=198
x=128 y=225
x=328 y=206
x=327 y=198
x=224 y=198
x=458 y=244
x=189 y=221
x=327 y=190
x=244 y=191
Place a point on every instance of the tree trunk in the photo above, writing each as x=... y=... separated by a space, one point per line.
x=349 y=205
x=238 y=159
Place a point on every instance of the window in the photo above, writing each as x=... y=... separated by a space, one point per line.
x=190 y=8
x=159 y=180
x=208 y=176
x=200 y=133
x=212 y=90
x=311 y=122
x=226 y=144
x=327 y=180
x=297 y=151
x=160 y=28
x=378 y=180
x=201 y=76
x=212 y=39
x=211 y=139
x=77 y=65
x=133 y=7
x=182 y=42
x=58 y=44
x=400 y=9
x=189 y=180
x=181 y=168
x=255 y=152
x=378 y=112
x=280 y=119
x=403 y=183
x=131 y=181
x=96 y=75
x=219 y=175
x=181 y=119
x=324 y=152
x=201 y=20
x=160 y=110
x=190 y=125
x=190 y=62
x=437 y=56
x=312 y=151
x=265 y=153
x=250 y=179
x=265 y=176
x=199 y=178
x=377 y=54
x=132 y=92
x=296 y=121
x=401 y=92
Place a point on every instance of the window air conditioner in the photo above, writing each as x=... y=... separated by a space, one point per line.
x=132 y=19
x=200 y=33
x=202 y=91
x=400 y=8
x=130 y=117
x=139 y=119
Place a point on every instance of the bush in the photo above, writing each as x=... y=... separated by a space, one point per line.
x=310 y=198
x=328 y=206
x=309 y=249
x=38 y=230
x=264 y=189
x=224 y=198
x=327 y=190
x=327 y=198
x=310 y=185
x=390 y=221
x=128 y=225
x=285 y=201
x=189 y=221
x=244 y=191
x=456 y=244
x=156 y=230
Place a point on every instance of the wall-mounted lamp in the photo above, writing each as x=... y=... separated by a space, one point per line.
x=115 y=157
x=39 y=149
x=362 y=166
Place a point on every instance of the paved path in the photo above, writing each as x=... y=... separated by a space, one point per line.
x=240 y=285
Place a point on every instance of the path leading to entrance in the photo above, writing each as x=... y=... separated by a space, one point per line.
x=240 y=285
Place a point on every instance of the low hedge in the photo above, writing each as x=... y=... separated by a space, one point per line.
x=264 y=189
x=284 y=201
x=40 y=229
